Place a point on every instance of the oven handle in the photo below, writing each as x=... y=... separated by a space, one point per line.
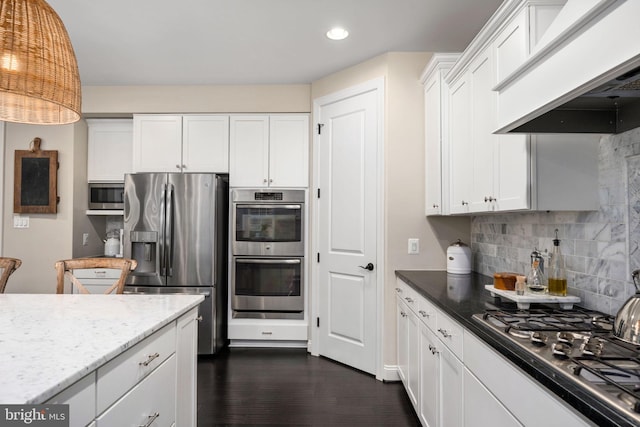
x=268 y=261
x=269 y=205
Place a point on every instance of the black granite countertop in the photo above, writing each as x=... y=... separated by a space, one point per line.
x=461 y=296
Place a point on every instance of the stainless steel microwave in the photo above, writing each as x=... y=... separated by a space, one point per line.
x=106 y=195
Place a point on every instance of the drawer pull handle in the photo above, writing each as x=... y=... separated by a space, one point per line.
x=403 y=314
x=409 y=300
x=424 y=313
x=444 y=333
x=433 y=349
x=152 y=418
x=398 y=290
x=267 y=333
x=199 y=318
x=150 y=359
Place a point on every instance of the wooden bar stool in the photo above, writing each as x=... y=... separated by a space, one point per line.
x=64 y=269
x=8 y=265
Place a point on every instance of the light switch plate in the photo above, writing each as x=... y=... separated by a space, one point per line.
x=20 y=221
x=413 y=246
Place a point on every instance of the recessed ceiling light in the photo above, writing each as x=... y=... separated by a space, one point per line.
x=337 y=33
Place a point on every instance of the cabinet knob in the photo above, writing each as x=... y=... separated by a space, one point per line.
x=464 y=203
x=264 y=180
x=177 y=166
x=435 y=206
x=184 y=166
x=270 y=181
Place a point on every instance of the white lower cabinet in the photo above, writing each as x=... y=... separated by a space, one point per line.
x=461 y=381
x=481 y=408
x=151 y=383
x=151 y=402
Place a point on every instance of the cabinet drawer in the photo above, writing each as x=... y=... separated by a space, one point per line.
x=120 y=374
x=407 y=295
x=450 y=333
x=152 y=402
x=97 y=273
x=427 y=312
x=81 y=398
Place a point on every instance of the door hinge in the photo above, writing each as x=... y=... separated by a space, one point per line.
x=320 y=125
x=317 y=322
x=318 y=193
x=318 y=256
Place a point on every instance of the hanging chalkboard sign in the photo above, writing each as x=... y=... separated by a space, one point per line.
x=35 y=188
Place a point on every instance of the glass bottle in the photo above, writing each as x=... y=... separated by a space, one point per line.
x=536 y=281
x=557 y=274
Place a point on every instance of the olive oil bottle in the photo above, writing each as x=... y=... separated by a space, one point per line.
x=557 y=273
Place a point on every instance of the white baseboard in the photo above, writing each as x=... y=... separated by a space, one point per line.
x=390 y=373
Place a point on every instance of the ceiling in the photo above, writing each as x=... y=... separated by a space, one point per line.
x=198 y=42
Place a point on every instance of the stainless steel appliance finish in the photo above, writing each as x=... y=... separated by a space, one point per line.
x=267 y=287
x=175 y=226
x=106 y=195
x=579 y=345
x=267 y=222
x=627 y=325
x=211 y=311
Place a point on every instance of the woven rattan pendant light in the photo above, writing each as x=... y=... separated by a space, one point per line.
x=39 y=80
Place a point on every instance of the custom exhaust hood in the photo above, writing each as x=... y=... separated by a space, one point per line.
x=613 y=107
x=583 y=78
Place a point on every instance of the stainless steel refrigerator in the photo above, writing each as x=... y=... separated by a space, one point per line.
x=175 y=226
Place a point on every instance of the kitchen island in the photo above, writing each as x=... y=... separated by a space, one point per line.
x=459 y=297
x=69 y=348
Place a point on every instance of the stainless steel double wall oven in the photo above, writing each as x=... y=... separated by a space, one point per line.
x=267 y=240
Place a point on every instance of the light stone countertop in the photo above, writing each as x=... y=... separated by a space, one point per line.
x=48 y=341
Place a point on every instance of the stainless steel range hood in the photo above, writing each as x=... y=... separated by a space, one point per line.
x=613 y=107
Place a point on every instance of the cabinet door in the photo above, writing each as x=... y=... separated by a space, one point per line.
x=205 y=143
x=460 y=157
x=110 y=148
x=451 y=372
x=512 y=189
x=433 y=160
x=483 y=120
x=511 y=46
x=187 y=369
x=481 y=408
x=429 y=378
x=402 y=332
x=157 y=143
x=289 y=151
x=413 y=358
x=249 y=151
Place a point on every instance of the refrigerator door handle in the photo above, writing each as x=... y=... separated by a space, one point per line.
x=161 y=240
x=169 y=233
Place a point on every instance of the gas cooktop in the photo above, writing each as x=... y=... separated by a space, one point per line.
x=579 y=345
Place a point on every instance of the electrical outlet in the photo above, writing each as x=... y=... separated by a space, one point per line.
x=414 y=246
x=85 y=239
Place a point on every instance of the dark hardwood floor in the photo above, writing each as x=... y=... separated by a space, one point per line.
x=289 y=387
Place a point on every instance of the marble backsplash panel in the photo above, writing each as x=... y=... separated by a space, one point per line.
x=600 y=247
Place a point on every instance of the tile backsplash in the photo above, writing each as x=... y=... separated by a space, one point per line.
x=600 y=247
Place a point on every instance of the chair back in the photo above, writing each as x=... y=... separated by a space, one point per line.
x=8 y=265
x=65 y=268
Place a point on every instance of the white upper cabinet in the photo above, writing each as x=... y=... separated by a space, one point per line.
x=491 y=172
x=176 y=143
x=109 y=149
x=269 y=150
x=436 y=115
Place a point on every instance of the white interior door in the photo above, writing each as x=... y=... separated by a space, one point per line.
x=347 y=218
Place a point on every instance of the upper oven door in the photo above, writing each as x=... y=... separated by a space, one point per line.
x=268 y=229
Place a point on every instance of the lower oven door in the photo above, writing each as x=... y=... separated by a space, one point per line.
x=270 y=284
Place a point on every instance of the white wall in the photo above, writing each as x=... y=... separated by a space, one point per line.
x=105 y=101
x=48 y=237
x=404 y=174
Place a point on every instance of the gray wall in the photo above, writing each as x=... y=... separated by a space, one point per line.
x=600 y=247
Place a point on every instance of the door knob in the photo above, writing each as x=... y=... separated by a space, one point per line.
x=367 y=267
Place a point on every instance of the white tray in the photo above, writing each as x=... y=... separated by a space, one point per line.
x=524 y=301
